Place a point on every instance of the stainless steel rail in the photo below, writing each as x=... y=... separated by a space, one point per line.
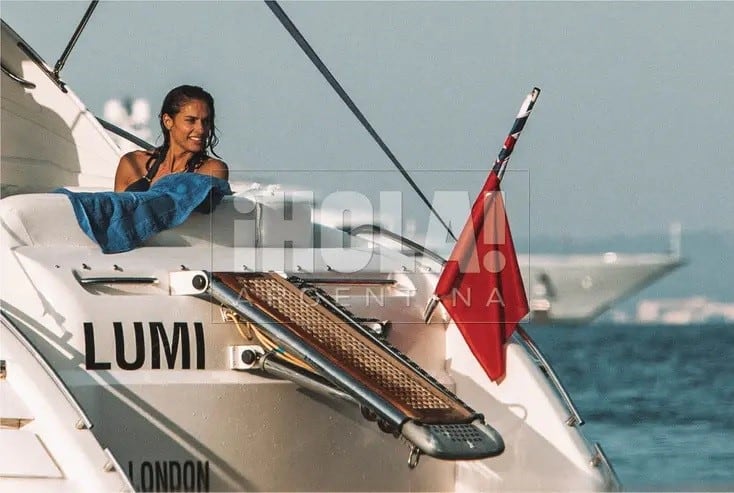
x=84 y=421
x=575 y=418
x=114 y=465
x=302 y=378
x=600 y=458
x=25 y=83
x=349 y=280
x=117 y=280
x=36 y=58
x=336 y=308
x=421 y=250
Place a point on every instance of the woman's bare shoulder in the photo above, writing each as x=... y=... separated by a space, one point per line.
x=131 y=167
x=215 y=167
x=214 y=163
x=136 y=157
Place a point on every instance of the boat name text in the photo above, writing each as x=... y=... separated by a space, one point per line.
x=164 y=345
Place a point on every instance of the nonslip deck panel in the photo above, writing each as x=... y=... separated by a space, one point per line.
x=355 y=352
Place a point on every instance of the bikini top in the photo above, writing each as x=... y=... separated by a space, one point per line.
x=153 y=164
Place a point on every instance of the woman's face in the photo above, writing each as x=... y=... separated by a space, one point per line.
x=190 y=127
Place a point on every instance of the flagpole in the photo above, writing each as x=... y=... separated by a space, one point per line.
x=451 y=269
x=500 y=164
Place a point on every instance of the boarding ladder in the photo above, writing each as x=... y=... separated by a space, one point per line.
x=390 y=388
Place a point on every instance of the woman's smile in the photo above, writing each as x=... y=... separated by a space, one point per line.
x=189 y=128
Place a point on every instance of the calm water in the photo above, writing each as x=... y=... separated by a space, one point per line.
x=659 y=399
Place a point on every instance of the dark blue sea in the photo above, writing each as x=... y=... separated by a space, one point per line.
x=659 y=399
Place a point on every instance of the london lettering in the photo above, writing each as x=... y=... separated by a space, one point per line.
x=169 y=475
x=165 y=347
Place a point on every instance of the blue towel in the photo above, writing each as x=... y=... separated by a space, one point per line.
x=121 y=221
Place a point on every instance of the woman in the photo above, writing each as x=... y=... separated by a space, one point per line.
x=187 y=123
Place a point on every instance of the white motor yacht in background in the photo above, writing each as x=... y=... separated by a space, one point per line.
x=147 y=371
x=575 y=289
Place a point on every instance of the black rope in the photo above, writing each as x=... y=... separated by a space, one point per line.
x=298 y=37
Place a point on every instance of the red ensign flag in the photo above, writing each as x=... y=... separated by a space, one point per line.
x=481 y=286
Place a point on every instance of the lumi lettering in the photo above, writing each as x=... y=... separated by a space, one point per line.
x=163 y=347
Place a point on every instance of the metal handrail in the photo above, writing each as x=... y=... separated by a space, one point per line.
x=111 y=127
x=84 y=421
x=601 y=458
x=575 y=418
x=351 y=281
x=303 y=378
x=421 y=250
x=114 y=465
x=25 y=83
x=43 y=67
x=34 y=57
x=117 y=280
x=54 y=74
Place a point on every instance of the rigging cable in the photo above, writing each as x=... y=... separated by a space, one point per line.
x=74 y=38
x=306 y=47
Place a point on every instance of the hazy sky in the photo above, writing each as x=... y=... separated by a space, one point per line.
x=633 y=128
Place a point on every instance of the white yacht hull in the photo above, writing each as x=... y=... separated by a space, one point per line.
x=575 y=289
x=162 y=410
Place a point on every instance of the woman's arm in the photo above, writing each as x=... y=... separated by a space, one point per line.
x=127 y=172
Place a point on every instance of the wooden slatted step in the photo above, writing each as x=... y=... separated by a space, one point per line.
x=310 y=324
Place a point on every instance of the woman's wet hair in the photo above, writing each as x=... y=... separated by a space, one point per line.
x=176 y=99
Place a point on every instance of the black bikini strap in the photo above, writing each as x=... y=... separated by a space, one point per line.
x=155 y=160
x=152 y=166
